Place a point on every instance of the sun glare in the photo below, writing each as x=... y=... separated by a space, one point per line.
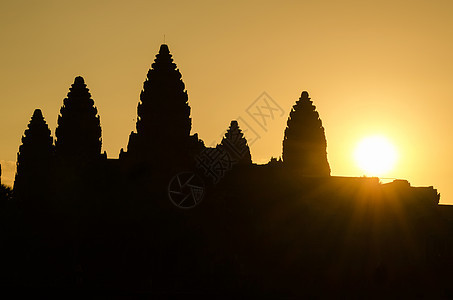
x=375 y=156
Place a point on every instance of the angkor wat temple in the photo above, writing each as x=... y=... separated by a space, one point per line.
x=171 y=216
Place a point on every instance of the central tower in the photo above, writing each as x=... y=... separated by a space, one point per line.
x=163 y=114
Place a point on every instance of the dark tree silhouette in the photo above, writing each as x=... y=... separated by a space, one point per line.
x=236 y=145
x=304 y=144
x=163 y=123
x=79 y=131
x=34 y=157
x=6 y=193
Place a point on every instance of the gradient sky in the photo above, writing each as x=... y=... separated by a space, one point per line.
x=371 y=67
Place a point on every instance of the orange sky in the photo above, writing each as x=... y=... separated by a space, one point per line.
x=370 y=69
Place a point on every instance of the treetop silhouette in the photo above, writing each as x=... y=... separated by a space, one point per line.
x=6 y=194
x=304 y=144
x=79 y=131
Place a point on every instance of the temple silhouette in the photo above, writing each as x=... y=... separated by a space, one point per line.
x=173 y=217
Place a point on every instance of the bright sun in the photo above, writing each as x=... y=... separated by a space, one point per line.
x=375 y=155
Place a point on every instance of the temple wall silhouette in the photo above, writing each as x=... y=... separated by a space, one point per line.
x=79 y=221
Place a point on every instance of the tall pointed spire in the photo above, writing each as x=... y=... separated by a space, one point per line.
x=163 y=123
x=37 y=143
x=34 y=156
x=163 y=100
x=79 y=132
x=304 y=144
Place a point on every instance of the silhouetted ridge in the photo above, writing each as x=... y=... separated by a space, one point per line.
x=79 y=131
x=173 y=218
x=304 y=144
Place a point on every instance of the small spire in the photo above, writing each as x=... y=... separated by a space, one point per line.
x=79 y=80
x=164 y=49
x=304 y=95
x=37 y=114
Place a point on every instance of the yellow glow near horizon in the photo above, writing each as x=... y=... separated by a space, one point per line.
x=375 y=155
